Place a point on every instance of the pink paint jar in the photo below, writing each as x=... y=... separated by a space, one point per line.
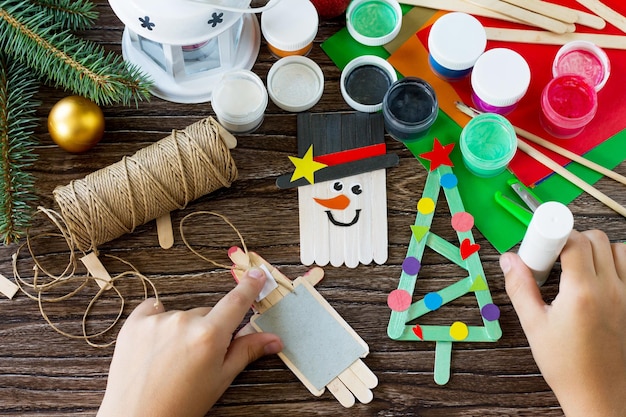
x=569 y=101
x=568 y=104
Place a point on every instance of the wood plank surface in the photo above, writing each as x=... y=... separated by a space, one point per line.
x=44 y=373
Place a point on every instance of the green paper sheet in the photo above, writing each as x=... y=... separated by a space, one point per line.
x=496 y=225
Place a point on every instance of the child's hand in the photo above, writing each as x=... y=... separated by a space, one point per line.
x=579 y=340
x=178 y=363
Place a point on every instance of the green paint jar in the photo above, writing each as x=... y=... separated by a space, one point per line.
x=488 y=143
x=374 y=22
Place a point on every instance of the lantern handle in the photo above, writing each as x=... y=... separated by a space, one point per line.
x=268 y=5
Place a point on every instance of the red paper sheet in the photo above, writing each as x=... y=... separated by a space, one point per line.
x=610 y=118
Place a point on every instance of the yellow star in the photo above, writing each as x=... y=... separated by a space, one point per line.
x=305 y=166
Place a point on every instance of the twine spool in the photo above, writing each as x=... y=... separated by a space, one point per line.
x=156 y=180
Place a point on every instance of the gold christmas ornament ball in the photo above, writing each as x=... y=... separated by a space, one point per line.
x=76 y=124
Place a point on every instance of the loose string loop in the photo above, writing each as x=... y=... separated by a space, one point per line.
x=227 y=221
x=41 y=288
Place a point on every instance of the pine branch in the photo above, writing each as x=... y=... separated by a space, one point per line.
x=17 y=122
x=71 y=14
x=67 y=61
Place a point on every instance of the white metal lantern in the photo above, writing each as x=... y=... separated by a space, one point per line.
x=186 y=46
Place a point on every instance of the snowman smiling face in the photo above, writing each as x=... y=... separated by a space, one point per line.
x=341 y=202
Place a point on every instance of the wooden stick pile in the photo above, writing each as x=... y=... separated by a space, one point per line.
x=556 y=23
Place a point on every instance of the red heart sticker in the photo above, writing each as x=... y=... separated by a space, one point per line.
x=468 y=248
x=418 y=331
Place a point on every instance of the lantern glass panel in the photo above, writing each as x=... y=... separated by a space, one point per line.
x=201 y=57
x=236 y=33
x=154 y=50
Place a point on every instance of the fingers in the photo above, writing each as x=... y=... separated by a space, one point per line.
x=246 y=349
x=587 y=256
x=148 y=307
x=246 y=330
x=523 y=291
x=602 y=254
x=577 y=258
x=231 y=309
x=619 y=256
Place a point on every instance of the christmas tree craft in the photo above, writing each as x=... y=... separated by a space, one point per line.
x=404 y=309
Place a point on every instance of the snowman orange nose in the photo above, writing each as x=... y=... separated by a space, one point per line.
x=338 y=203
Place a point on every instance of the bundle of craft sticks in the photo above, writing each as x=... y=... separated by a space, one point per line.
x=556 y=23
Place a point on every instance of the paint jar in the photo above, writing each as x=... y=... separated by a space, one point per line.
x=410 y=108
x=585 y=59
x=290 y=27
x=374 y=22
x=239 y=101
x=500 y=78
x=365 y=81
x=456 y=40
x=569 y=101
x=568 y=104
x=295 y=83
x=488 y=143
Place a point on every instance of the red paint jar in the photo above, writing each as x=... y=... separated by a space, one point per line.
x=568 y=104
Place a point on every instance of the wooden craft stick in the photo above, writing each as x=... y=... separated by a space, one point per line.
x=590 y=20
x=460 y=6
x=7 y=287
x=526 y=16
x=165 y=231
x=226 y=136
x=341 y=393
x=555 y=11
x=605 y=12
x=597 y=194
x=97 y=270
x=547 y=38
x=570 y=155
x=585 y=19
x=358 y=388
x=365 y=374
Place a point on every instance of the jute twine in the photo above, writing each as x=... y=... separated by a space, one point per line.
x=108 y=203
x=156 y=180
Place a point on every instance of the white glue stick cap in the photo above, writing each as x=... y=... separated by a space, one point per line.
x=547 y=233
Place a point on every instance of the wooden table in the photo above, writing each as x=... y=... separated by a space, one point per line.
x=44 y=373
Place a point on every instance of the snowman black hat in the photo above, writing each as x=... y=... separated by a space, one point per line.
x=338 y=145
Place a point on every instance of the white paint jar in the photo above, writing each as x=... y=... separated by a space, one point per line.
x=239 y=101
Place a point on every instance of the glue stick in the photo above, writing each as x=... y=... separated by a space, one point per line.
x=547 y=233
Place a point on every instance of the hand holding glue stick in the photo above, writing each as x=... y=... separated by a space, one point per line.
x=577 y=339
x=545 y=237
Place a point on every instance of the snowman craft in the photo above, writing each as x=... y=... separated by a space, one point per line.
x=341 y=179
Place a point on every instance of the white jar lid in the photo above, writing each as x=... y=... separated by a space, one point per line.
x=290 y=25
x=583 y=58
x=500 y=77
x=295 y=83
x=456 y=40
x=371 y=76
x=240 y=98
x=374 y=22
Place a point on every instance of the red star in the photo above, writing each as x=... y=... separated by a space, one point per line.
x=440 y=155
